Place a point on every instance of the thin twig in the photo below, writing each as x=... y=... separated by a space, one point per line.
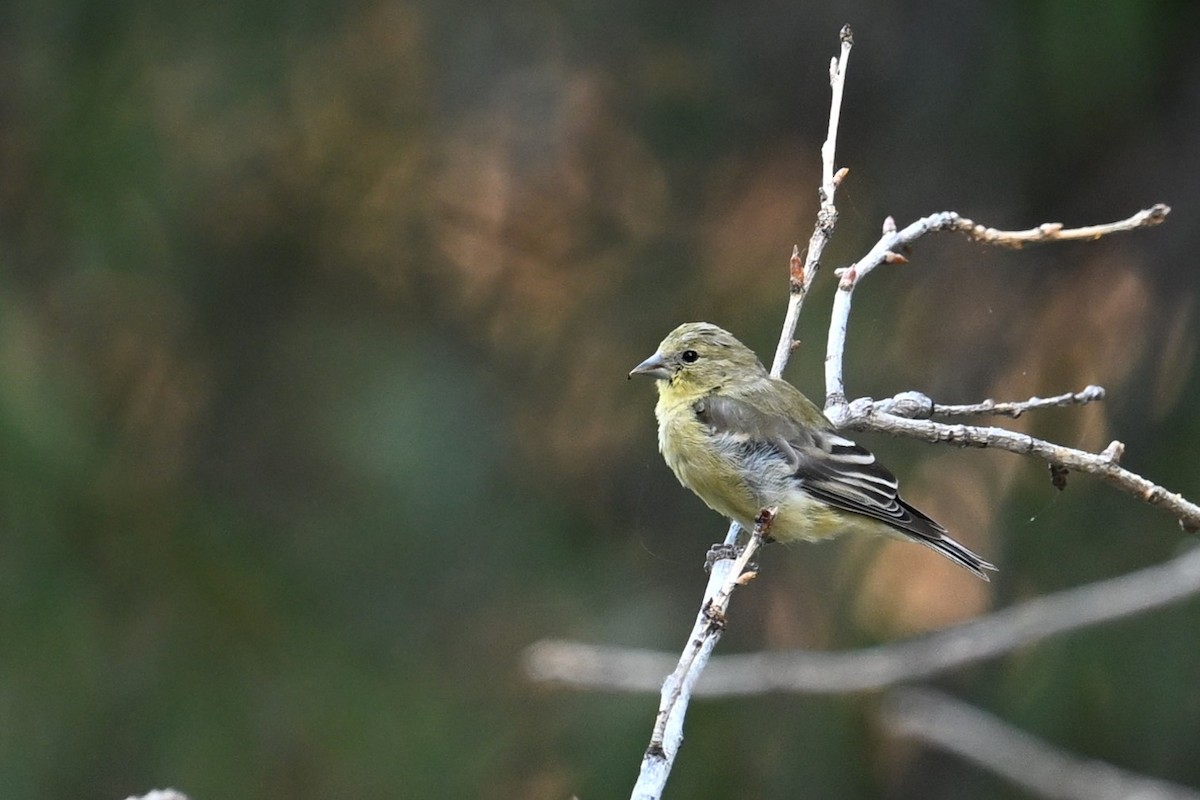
x=1055 y=232
x=948 y=724
x=584 y=666
x=915 y=405
x=801 y=275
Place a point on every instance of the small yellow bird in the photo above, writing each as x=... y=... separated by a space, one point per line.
x=744 y=441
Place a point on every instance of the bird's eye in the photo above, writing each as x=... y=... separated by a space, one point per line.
x=689 y=356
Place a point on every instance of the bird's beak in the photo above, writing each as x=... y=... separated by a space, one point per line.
x=655 y=366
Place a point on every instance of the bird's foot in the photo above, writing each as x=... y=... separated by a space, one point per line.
x=719 y=552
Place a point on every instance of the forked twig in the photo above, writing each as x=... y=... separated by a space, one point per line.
x=887 y=251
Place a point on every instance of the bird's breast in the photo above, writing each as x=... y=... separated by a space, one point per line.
x=704 y=463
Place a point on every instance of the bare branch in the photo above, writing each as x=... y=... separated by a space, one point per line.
x=892 y=241
x=677 y=689
x=585 y=666
x=1045 y=770
x=802 y=275
x=1055 y=232
x=915 y=405
x=862 y=415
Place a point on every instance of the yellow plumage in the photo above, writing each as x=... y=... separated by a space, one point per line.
x=743 y=441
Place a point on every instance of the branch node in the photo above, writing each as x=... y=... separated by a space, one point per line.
x=860 y=408
x=746 y=577
x=1058 y=476
x=840 y=176
x=892 y=257
x=796 y=270
x=1115 y=450
x=913 y=405
x=716 y=617
x=827 y=216
x=889 y=225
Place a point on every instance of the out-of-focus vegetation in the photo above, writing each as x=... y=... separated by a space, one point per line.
x=314 y=322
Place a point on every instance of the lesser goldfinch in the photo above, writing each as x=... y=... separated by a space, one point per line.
x=744 y=441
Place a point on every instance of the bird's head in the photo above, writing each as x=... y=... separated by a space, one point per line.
x=697 y=358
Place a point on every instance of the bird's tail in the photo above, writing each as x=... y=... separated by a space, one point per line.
x=957 y=553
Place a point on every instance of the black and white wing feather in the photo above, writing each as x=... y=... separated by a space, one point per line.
x=836 y=471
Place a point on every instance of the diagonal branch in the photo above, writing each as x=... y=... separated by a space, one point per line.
x=943 y=722
x=677 y=689
x=862 y=415
x=584 y=666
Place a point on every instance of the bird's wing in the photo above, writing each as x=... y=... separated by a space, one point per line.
x=846 y=475
x=828 y=466
x=831 y=469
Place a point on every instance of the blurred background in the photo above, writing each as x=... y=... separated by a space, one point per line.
x=314 y=325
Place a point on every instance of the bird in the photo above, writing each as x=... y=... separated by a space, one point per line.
x=744 y=441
